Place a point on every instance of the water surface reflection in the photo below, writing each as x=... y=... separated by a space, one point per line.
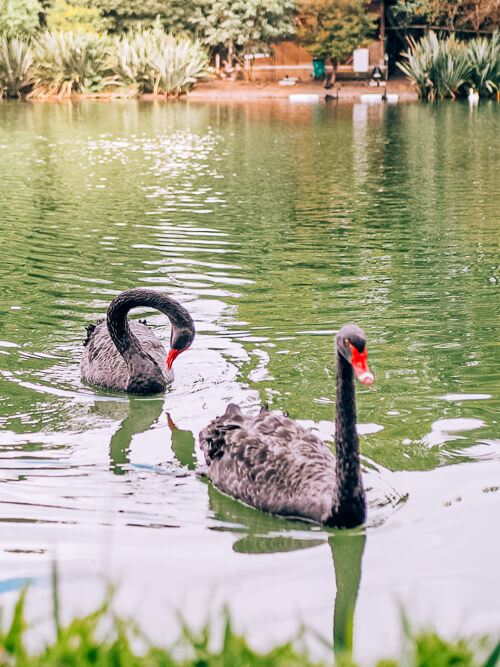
x=274 y=225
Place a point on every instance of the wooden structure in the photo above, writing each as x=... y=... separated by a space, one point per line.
x=292 y=61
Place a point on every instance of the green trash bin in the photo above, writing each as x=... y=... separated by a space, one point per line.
x=319 y=68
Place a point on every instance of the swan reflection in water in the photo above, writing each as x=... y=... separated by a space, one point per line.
x=347 y=547
x=261 y=533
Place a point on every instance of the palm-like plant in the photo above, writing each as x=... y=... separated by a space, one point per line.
x=179 y=62
x=450 y=69
x=484 y=59
x=131 y=62
x=15 y=66
x=438 y=68
x=149 y=61
x=68 y=62
x=420 y=57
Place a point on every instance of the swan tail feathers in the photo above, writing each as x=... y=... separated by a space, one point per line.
x=90 y=330
x=214 y=438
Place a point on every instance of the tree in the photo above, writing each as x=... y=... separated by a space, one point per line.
x=75 y=15
x=473 y=15
x=19 y=16
x=236 y=28
x=467 y=15
x=174 y=15
x=332 y=29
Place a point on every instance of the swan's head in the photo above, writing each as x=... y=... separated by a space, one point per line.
x=351 y=344
x=180 y=340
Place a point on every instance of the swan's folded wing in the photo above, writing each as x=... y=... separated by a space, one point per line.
x=270 y=462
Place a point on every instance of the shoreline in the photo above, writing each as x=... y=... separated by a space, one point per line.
x=228 y=91
x=249 y=91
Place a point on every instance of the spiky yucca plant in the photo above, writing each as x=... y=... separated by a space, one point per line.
x=15 y=66
x=484 y=59
x=450 y=70
x=420 y=58
x=131 y=61
x=439 y=68
x=179 y=62
x=68 y=62
x=149 y=61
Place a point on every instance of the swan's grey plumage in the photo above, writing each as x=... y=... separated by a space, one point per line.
x=125 y=355
x=272 y=463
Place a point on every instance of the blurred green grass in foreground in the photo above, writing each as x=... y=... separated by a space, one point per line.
x=104 y=639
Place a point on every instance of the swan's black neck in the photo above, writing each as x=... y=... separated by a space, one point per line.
x=145 y=374
x=349 y=506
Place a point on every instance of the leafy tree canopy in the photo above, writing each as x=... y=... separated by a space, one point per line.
x=126 y=15
x=19 y=16
x=332 y=29
x=473 y=15
x=238 y=27
x=74 y=15
x=230 y=27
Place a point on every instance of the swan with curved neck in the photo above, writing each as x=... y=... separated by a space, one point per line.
x=275 y=465
x=125 y=355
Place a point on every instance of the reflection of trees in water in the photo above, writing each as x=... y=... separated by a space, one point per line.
x=182 y=445
x=138 y=415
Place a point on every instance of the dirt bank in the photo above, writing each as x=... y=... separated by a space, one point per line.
x=244 y=91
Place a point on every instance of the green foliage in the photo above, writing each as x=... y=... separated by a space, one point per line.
x=73 y=15
x=230 y=27
x=149 y=61
x=69 y=62
x=236 y=652
x=19 y=16
x=15 y=66
x=439 y=68
x=127 y=16
x=332 y=29
x=102 y=638
x=235 y=28
x=484 y=59
x=430 y=649
x=408 y=12
x=451 y=14
x=179 y=63
x=84 y=643
x=442 y=68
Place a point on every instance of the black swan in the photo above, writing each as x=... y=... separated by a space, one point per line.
x=125 y=355
x=275 y=465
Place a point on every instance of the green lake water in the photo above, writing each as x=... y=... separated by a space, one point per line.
x=274 y=224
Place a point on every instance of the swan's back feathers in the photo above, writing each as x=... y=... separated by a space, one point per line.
x=104 y=366
x=271 y=463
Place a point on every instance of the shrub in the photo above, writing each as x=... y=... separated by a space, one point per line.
x=131 y=63
x=74 y=15
x=149 y=61
x=484 y=59
x=15 y=67
x=438 y=68
x=179 y=63
x=67 y=62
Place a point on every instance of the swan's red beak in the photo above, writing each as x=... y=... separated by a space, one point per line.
x=359 y=362
x=172 y=355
